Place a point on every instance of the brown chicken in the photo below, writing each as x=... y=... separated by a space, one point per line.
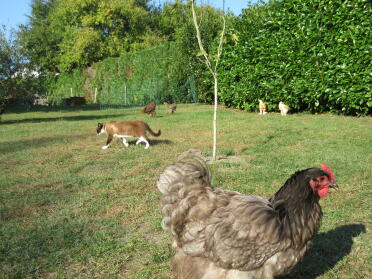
x=221 y=234
x=149 y=109
x=170 y=107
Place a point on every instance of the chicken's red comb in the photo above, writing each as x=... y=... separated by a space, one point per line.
x=327 y=169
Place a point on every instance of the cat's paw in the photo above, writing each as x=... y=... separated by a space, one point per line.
x=105 y=147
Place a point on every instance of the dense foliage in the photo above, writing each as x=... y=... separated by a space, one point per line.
x=16 y=84
x=134 y=78
x=314 y=55
x=65 y=35
x=188 y=62
x=69 y=34
x=166 y=72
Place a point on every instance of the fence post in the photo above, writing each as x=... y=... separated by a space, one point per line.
x=70 y=91
x=125 y=94
x=95 y=96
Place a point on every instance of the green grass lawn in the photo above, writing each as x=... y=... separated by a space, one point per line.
x=71 y=210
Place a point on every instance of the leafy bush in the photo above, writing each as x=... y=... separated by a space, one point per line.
x=76 y=38
x=64 y=85
x=314 y=55
x=134 y=78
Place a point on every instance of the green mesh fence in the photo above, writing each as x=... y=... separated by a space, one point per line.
x=149 y=76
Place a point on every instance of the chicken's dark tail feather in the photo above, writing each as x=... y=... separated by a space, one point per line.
x=190 y=172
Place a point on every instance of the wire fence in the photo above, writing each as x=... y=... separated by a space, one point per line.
x=154 y=75
x=150 y=91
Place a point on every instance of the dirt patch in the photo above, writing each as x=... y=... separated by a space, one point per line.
x=228 y=159
x=243 y=159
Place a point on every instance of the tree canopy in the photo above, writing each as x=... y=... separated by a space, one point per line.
x=13 y=72
x=63 y=35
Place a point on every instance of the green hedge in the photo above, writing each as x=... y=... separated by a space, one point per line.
x=135 y=78
x=64 y=85
x=312 y=54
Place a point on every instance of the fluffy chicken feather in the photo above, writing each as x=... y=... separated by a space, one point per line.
x=222 y=234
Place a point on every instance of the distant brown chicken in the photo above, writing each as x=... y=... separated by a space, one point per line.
x=171 y=107
x=221 y=234
x=149 y=109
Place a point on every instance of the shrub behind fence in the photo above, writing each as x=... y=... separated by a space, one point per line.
x=132 y=79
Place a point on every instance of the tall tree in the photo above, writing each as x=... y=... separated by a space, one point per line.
x=39 y=40
x=11 y=64
x=68 y=34
x=212 y=65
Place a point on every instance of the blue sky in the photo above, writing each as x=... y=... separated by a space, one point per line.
x=14 y=12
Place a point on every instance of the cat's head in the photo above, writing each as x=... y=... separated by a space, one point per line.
x=100 y=129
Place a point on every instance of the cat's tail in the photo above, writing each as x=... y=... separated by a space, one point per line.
x=152 y=132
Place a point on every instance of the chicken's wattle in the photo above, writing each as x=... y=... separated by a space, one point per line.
x=323 y=192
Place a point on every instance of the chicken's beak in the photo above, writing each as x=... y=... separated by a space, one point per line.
x=333 y=186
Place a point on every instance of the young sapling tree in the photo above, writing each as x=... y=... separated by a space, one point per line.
x=212 y=66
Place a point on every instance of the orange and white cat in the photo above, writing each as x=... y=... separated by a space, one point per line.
x=126 y=129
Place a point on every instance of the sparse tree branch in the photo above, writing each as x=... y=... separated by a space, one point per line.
x=202 y=50
x=212 y=69
x=219 y=50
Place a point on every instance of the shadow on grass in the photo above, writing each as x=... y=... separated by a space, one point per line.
x=60 y=118
x=90 y=107
x=15 y=146
x=152 y=142
x=162 y=141
x=31 y=248
x=268 y=138
x=327 y=250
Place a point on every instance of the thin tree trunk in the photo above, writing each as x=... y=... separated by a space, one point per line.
x=212 y=69
x=215 y=118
